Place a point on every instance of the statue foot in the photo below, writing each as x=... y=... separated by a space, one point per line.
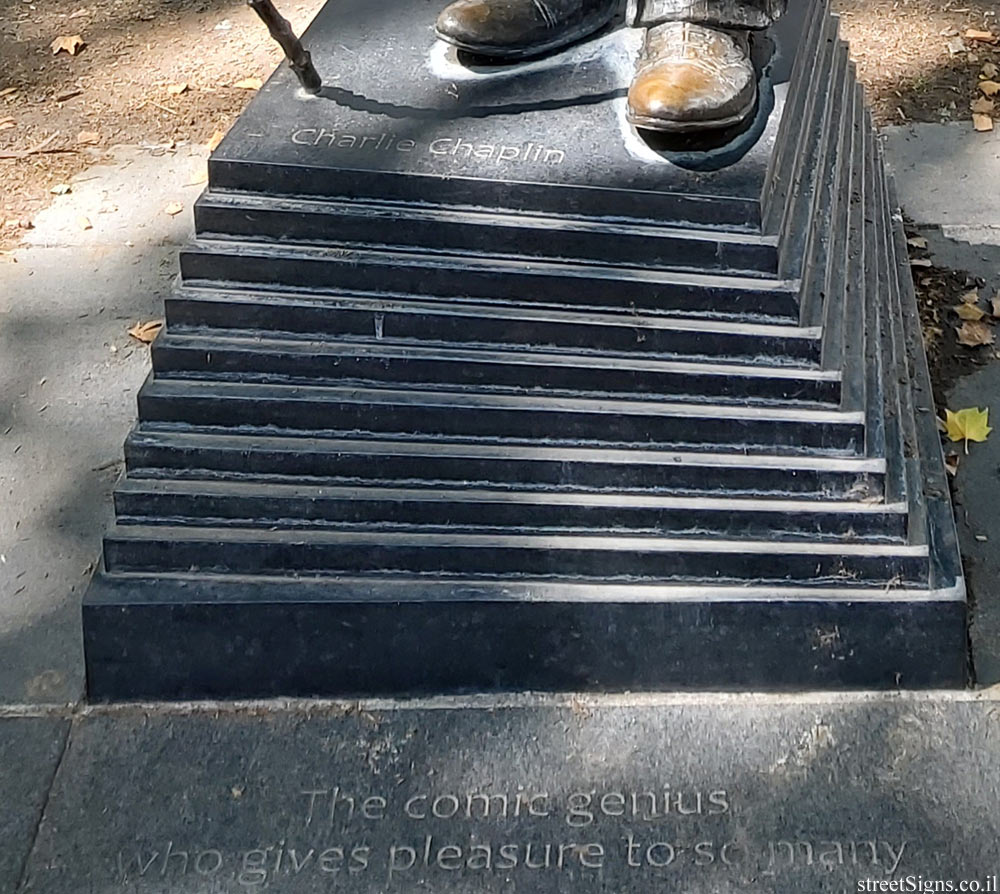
x=517 y=29
x=692 y=77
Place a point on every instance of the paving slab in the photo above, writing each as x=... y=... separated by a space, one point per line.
x=946 y=174
x=696 y=794
x=977 y=511
x=66 y=302
x=30 y=748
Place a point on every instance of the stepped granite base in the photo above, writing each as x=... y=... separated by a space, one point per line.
x=467 y=386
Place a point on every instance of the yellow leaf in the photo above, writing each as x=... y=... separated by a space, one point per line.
x=972 y=334
x=990 y=88
x=982 y=123
x=146 y=332
x=969 y=311
x=970 y=424
x=249 y=84
x=71 y=43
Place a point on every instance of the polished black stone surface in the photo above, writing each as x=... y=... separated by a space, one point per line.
x=418 y=424
x=403 y=116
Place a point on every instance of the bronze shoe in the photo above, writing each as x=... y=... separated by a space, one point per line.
x=515 y=29
x=691 y=77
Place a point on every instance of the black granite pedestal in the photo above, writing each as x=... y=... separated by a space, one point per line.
x=468 y=386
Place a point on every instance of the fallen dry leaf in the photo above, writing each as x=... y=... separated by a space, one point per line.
x=249 y=84
x=213 y=143
x=982 y=106
x=920 y=262
x=981 y=36
x=982 y=123
x=199 y=175
x=972 y=334
x=970 y=297
x=88 y=137
x=61 y=189
x=146 y=332
x=989 y=70
x=177 y=89
x=173 y=208
x=955 y=46
x=917 y=242
x=969 y=311
x=71 y=43
x=990 y=88
x=970 y=424
x=84 y=223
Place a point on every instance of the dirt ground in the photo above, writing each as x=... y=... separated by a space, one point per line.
x=157 y=73
x=153 y=74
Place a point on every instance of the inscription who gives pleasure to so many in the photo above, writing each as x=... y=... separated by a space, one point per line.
x=380 y=840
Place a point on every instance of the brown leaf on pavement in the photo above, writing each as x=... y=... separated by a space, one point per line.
x=969 y=311
x=973 y=334
x=989 y=70
x=71 y=43
x=249 y=84
x=990 y=88
x=982 y=123
x=146 y=332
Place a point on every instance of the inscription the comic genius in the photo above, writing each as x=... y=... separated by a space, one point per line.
x=390 y=837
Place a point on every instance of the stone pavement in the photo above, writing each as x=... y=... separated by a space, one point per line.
x=72 y=372
x=948 y=180
x=766 y=793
